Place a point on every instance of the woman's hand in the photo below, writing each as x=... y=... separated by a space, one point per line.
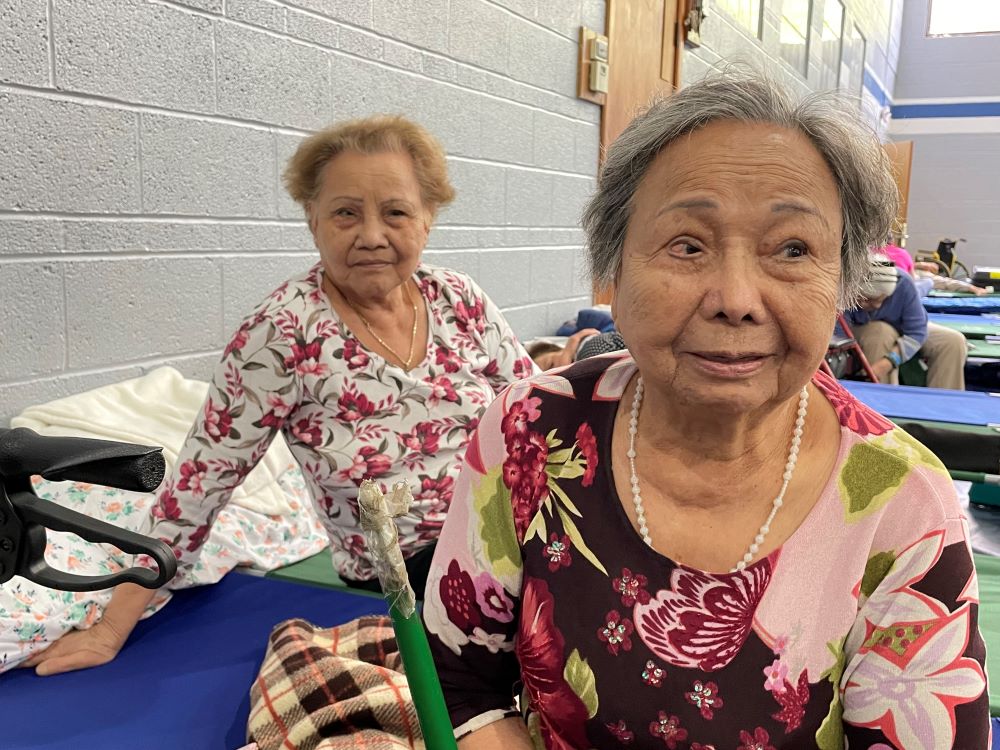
x=79 y=649
x=882 y=369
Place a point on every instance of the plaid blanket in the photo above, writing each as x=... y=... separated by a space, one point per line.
x=327 y=689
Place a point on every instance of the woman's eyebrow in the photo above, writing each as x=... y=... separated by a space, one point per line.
x=688 y=204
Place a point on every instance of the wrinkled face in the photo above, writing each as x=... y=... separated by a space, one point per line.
x=872 y=304
x=368 y=222
x=731 y=267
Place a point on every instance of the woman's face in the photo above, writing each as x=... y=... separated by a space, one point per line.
x=731 y=268
x=368 y=222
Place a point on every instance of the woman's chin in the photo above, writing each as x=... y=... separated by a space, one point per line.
x=725 y=394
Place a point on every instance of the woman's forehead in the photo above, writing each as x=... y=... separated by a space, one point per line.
x=760 y=160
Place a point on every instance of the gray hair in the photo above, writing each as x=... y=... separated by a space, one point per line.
x=831 y=122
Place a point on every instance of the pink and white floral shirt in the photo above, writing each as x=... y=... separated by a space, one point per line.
x=346 y=413
x=860 y=631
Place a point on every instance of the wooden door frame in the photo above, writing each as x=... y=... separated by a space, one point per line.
x=672 y=33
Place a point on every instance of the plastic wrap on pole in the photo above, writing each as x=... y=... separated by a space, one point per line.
x=377 y=512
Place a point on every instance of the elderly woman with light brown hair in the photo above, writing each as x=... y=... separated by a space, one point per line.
x=703 y=542
x=371 y=364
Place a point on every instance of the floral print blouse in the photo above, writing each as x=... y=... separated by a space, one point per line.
x=860 y=631
x=346 y=413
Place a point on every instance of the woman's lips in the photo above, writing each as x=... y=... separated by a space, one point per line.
x=729 y=364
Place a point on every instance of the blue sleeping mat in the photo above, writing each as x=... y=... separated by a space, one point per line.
x=929 y=404
x=986 y=320
x=962 y=305
x=182 y=680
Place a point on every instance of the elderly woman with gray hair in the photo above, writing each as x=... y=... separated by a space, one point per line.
x=704 y=543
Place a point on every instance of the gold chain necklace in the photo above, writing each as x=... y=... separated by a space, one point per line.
x=413 y=334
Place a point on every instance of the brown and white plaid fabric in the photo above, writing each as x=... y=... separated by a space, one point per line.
x=327 y=689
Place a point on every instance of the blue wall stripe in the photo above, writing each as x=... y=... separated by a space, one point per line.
x=880 y=94
x=963 y=109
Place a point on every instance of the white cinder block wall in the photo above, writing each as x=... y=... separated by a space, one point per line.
x=879 y=21
x=142 y=141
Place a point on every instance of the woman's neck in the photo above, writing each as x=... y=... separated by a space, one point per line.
x=706 y=444
x=397 y=301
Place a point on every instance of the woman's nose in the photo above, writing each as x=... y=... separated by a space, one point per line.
x=371 y=233
x=734 y=294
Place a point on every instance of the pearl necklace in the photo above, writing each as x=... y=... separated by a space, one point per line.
x=793 y=457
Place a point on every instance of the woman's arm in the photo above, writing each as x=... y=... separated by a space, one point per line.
x=914 y=662
x=252 y=393
x=472 y=597
x=248 y=401
x=507 y=734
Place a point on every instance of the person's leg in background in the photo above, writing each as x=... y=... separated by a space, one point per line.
x=945 y=351
x=876 y=339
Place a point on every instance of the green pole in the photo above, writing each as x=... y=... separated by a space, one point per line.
x=421 y=675
x=377 y=512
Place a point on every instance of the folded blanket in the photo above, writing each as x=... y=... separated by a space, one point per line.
x=327 y=689
x=156 y=409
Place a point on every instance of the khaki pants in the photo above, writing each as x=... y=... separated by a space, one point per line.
x=944 y=350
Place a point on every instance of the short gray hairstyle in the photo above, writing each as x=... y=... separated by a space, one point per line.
x=830 y=121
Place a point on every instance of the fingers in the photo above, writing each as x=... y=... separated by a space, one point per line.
x=69 y=662
x=38 y=656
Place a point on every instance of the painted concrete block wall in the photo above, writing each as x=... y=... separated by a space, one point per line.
x=724 y=40
x=947 y=101
x=954 y=193
x=142 y=141
x=936 y=67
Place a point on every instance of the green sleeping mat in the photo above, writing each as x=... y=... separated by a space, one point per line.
x=316 y=571
x=984 y=349
x=988 y=569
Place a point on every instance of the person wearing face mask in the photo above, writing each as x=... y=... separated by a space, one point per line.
x=703 y=542
x=891 y=326
x=371 y=364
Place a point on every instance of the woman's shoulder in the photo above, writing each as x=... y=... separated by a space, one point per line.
x=288 y=305
x=447 y=282
x=883 y=469
x=593 y=381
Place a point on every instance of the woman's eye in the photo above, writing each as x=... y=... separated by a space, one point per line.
x=343 y=212
x=684 y=249
x=795 y=250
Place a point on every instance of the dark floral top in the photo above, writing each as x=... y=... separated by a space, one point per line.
x=859 y=631
x=345 y=412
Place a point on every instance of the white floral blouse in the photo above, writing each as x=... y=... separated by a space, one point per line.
x=346 y=413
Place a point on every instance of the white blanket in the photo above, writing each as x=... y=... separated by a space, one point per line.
x=156 y=409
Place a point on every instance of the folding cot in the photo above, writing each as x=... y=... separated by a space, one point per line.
x=963 y=305
x=182 y=680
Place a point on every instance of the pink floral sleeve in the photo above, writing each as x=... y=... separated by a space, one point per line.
x=251 y=393
x=473 y=588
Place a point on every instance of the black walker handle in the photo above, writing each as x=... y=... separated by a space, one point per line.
x=24 y=517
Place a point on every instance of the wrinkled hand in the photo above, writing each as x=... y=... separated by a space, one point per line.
x=78 y=649
x=978 y=291
x=882 y=368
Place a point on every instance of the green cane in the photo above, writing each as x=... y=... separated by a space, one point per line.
x=377 y=513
